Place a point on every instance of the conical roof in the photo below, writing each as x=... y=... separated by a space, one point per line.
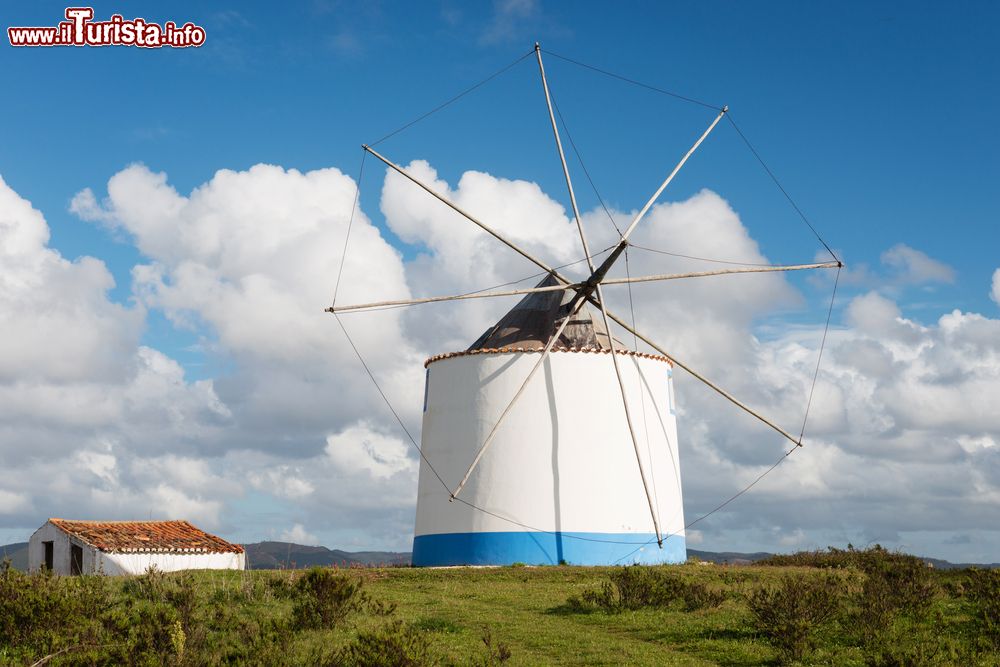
x=534 y=320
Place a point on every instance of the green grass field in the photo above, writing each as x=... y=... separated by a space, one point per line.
x=530 y=616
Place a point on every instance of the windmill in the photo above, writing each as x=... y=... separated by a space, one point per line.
x=548 y=440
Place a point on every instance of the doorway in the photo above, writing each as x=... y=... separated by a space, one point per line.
x=48 y=555
x=75 y=559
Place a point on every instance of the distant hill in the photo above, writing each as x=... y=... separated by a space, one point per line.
x=17 y=553
x=285 y=555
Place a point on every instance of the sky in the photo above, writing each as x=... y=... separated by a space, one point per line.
x=172 y=223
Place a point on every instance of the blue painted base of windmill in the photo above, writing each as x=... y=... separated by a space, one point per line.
x=534 y=548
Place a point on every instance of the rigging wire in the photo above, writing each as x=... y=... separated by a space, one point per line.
x=805 y=419
x=350 y=224
x=774 y=178
x=583 y=165
x=453 y=99
x=702 y=259
x=819 y=357
x=692 y=100
x=385 y=398
x=724 y=504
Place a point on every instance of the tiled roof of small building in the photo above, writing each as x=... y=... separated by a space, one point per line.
x=145 y=536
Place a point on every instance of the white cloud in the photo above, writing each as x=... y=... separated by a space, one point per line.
x=84 y=205
x=901 y=267
x=509 y=18
x=299 y=535
x=794 y=540
x=915 y=267
x=13 y=503
x=82 y=403
x=995 y=294
x=359 y=448
x=58 y=324
x=282 y=481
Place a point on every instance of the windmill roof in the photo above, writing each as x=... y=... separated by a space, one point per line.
x=512 y=350
x=145 y=536
x=533 y=321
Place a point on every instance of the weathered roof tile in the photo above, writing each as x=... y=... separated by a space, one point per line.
x=145 y=536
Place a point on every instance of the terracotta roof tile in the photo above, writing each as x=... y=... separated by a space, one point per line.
x=145 y=536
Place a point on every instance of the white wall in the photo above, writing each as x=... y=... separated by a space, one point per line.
x=61 y=543
x=138 y=563
x=563 y=460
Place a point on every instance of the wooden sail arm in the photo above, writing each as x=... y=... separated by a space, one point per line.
x=465 y=214
x=375 y=305
x=594 y=284
x=602 y=270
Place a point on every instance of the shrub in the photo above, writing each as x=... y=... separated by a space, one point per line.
x=148 y=586
x=891 y=588
x=324 y=598
x=790 y=613
x=919 y=647
x=391 y=645
x=983 y=590
x=146 y=631
x=862 y=559
x=697 y=595
x=497 y=652
x=43 y=613
x=637 y=586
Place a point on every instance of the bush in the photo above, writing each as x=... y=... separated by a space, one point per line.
x=983 y=590
x=790 y=613
x=324 y=598
x=891 y=588
x=42 y=613
x=391 y=645
x=637 y=586
x=497 y=653
x=697 y=595
x=920 y=646
x=862 y=559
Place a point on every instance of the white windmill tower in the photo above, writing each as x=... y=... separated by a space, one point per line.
x=547 y=440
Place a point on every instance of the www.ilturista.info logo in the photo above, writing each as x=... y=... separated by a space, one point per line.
x=80 y=30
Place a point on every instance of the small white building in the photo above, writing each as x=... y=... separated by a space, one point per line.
x=129 y=547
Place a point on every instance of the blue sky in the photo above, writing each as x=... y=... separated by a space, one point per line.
x=877 y=118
